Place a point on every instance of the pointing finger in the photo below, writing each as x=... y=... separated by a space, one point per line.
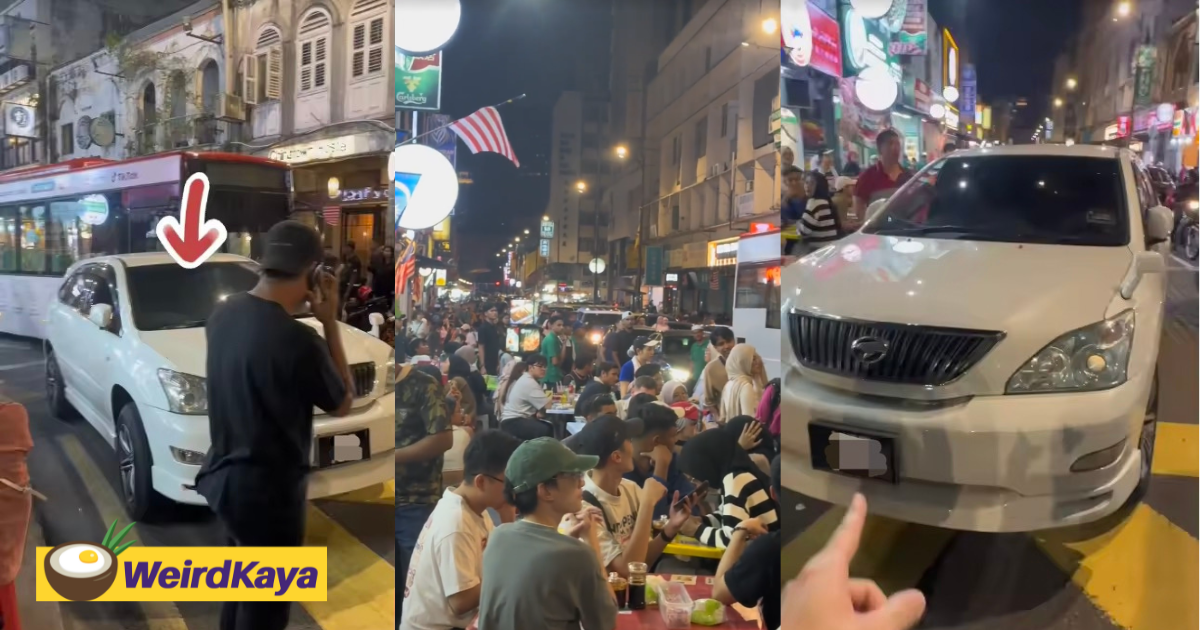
x=844 y=542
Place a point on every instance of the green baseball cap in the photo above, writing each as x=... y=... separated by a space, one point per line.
x=537 y=461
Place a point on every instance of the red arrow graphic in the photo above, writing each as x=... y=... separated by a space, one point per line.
x=190 y=239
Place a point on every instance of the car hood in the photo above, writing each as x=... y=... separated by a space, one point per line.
x=186 y=349
x=962 y=284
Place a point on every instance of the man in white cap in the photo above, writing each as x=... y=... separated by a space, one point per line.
x=643 y=354
x=617 y=342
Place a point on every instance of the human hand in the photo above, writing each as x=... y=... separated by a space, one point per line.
x=661 y=455
x=754 y=527
x=679 y=513
x=750 y=436
x=652 y=492
x=580 y=524
x=825 y=597
x=323 y=302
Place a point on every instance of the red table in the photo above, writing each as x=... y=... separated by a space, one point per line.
x=651 y=619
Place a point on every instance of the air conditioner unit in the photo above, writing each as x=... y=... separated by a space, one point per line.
x=231 y=108
x=749 y=185
x=714 y=170
x=653 y=230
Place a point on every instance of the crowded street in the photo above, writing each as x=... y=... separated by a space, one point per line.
x=78 y=472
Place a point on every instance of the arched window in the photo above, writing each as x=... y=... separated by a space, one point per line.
x=149 y=106
x=210 y=85
x=367 y=20
x=313 y=51
x=262 y=72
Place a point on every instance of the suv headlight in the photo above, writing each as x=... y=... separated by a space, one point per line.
x=389 y=374
x=1091 y=358
x=186 y=394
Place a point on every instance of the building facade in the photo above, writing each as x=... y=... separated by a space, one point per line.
x=709 y=154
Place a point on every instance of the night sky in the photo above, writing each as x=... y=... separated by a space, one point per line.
x=507 y=47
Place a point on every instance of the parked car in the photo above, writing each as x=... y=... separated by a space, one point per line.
x=986 y=344
x=126 y=350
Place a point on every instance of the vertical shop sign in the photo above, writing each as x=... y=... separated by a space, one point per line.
x=913 y=36
x=1143 y=61
x=967 y=99
x=419 y=81
x=811 y=37
x=654 y=266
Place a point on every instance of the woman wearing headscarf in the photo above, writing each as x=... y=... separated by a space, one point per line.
x=464 y=365
x=674 y=394
x=708 y=393
x=715 y=457
x=16 y=504
x=743 y=392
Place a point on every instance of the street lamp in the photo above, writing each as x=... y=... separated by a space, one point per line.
x=1124 y=8
x=1058 y=102
x=526 y=231
x=545 y=217
x=769 y=26
x=1072 y=83
x=581 y=186
x=622 y=151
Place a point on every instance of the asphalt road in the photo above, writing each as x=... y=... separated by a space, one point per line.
x=1134 y=571
x=76 y=469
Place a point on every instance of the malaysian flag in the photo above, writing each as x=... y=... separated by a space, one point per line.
x=484 y=131
x=332 y=214
x=406 y=267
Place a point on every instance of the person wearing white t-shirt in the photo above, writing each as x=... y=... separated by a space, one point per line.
x=444 y=581
x=627 y=535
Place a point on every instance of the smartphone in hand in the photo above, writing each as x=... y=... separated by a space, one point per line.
x=700 y=491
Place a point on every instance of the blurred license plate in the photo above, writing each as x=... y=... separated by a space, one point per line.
x=852 y=452
x=332 y=450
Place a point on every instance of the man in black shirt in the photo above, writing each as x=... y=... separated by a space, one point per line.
x=618 y=342
x=491 y=340
x=605 y=383
x=352 y=269
x=266 y=371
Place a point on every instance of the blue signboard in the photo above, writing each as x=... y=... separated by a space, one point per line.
x=654 y=266
x=967 y=96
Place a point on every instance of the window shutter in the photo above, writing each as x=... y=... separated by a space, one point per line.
x=249 y=80
x=306 y=66
x=274 y=78
x=375 y=56
x=358 y=50
x=320 y=62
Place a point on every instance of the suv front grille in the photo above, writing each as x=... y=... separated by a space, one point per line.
x=911 y=355
x=364 y=378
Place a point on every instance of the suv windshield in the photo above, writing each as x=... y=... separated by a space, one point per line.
x=1059 y=200
x=601 y=319
x=168 y=297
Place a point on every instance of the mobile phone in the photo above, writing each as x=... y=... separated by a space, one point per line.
x=700 y=490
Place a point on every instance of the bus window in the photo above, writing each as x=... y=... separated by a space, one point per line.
x=33 y=238
x=8 y=238
x=758 y=287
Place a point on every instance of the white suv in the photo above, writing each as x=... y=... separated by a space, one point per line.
x=126 y=349
x=981 y=355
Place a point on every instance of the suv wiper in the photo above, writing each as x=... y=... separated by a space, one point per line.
x=194 y=323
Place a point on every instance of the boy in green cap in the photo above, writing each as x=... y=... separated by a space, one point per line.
x=534 y=576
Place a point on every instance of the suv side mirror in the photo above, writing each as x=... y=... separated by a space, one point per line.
x=1159 y=222
x=1144 y=264
x=101 y=315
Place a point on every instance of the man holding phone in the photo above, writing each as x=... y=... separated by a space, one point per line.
x=266 y=371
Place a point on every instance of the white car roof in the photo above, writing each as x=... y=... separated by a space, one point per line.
x=1061 y=150
x=153 y=258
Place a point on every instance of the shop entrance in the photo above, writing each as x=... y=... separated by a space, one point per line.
x=359 y=229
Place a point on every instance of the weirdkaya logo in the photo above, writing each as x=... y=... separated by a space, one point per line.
x=82 y=571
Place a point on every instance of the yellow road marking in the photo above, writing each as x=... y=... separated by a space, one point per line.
x=1142 y=574
x=893 y=553
x=383 y=494
x=159 y=615
x=1177 y=450
x=362 y=585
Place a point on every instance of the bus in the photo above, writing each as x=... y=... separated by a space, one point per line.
x=52 y=216
x=757 y=309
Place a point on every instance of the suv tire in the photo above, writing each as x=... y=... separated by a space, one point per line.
x=134 y=464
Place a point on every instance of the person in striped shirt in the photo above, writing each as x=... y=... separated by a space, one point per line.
x=746 y=504
x=819 y=222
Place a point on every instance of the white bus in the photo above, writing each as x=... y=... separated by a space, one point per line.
x=756 y=297
x=54 y=215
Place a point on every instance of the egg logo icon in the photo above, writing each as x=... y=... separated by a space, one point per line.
x=83 y=571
